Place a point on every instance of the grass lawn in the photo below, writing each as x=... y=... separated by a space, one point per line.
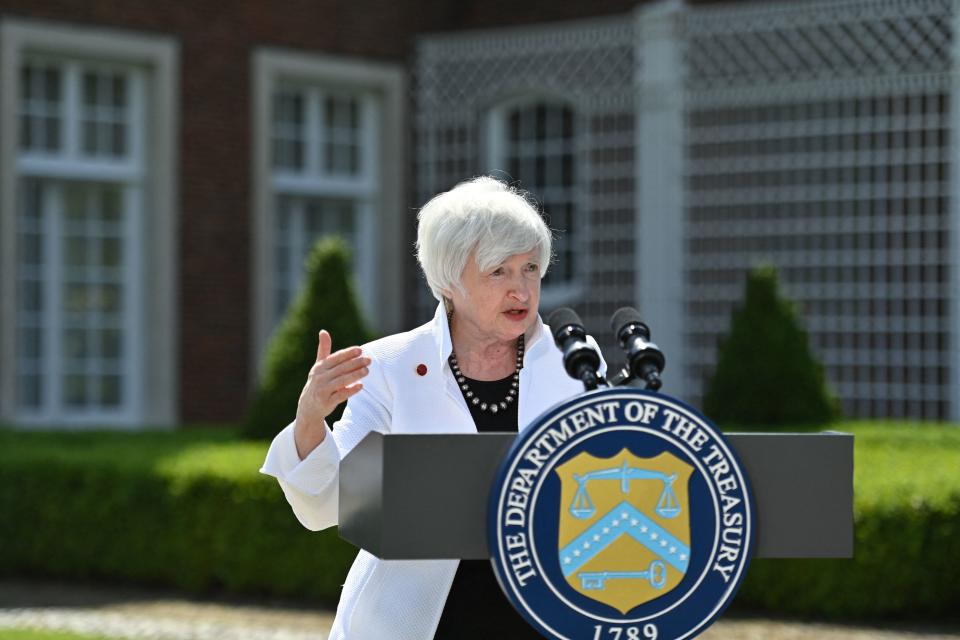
x=897 y=462
x=33 y=634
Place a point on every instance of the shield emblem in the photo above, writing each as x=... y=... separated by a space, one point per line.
x=624 y=533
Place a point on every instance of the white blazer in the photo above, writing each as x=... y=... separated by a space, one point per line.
x=402 y=599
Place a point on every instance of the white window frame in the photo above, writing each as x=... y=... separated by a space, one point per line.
x=151 y=354
x=380 y=222
x=494 y=127
x=362 y=189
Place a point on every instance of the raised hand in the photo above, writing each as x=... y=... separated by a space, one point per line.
x=332 y=379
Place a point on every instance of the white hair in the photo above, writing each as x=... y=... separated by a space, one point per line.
x=483 y=215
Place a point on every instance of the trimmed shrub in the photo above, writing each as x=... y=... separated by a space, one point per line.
x=906 y=536
x=186 y=510
x=766 y=375
x=902 y=567
x=326 y=301
x=189 y=510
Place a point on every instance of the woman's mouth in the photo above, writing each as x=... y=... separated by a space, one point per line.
x=516 y=314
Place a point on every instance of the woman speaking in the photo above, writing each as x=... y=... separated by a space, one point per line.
x=486 y=362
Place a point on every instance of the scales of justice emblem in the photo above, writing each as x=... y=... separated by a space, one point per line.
x=624 y=529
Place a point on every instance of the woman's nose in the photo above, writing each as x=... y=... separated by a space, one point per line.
x=521 y=291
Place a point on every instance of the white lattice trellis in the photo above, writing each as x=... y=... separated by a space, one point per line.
x=816 y=136
x=818 y=139
x=460 y=78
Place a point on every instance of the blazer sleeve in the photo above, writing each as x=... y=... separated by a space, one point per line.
x=312 y=485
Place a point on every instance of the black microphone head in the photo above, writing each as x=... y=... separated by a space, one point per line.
x=563 y=317
x=623 y=316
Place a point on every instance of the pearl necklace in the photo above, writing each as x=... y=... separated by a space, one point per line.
x=492 y=407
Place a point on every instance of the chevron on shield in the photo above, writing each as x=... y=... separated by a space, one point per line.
x=624 y=531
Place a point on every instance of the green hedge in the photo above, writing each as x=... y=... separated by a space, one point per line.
x=907 y=535
x=189 y=509
x=183 y=509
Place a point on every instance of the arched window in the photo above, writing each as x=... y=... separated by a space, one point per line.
x=534 y=142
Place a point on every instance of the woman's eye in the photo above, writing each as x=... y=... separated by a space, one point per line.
x=533 y=268
x=497 y=272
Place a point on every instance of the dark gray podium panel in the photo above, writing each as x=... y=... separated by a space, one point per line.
x=406 y=497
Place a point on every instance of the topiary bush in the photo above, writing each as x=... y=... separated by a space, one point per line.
x=188 y=509
x=766 y=375
x=326 y=301
x=183 y=509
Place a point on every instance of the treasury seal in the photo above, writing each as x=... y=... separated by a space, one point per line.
x=621 y=514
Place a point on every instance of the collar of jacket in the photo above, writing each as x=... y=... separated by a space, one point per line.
x=441 y=332
x=537 y=344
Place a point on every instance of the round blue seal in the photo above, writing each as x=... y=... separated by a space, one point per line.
x=620 y=515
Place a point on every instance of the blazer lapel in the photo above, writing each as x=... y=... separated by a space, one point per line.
x=441 y=333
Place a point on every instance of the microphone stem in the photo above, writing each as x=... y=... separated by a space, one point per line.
x=620 y=377
x=588 y=377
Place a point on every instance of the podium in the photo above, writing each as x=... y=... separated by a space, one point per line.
x=424 y=496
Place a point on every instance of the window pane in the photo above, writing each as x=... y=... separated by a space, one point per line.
x=26 y=84
x=317 y=218
x=111 y=344
x=76 y=298
x=90 y=89
x=31 y=249
x=119 y=135
x=109 y=391
x=75 y=344
x=342 y=159
x=539 y=154
x=28 y=343
x=513 y=126
x=110 y=208
x=110 y=298
x=32 y=201
x=74 y=391
x=51 y=133
x=119 y=92
x=31 y=296
x=90 y=138
x=567 y=171
x=27 y=140
x=30 y=287
x=75 y=252
x=40 y=107
x=75 y=205
x=28 y=391
x=342 y=135
x=104 y=114
x=51 y=79
x=288 y=129
x=92 y=297
x=111 y=252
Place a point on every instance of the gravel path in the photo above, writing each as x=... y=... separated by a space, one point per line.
x=135 y=614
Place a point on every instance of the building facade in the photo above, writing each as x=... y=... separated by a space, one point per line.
x=164 y=170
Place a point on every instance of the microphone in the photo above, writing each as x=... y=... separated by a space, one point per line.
x=644 y=359
x=579 y=358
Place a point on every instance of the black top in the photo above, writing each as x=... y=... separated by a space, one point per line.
x=476 y=606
